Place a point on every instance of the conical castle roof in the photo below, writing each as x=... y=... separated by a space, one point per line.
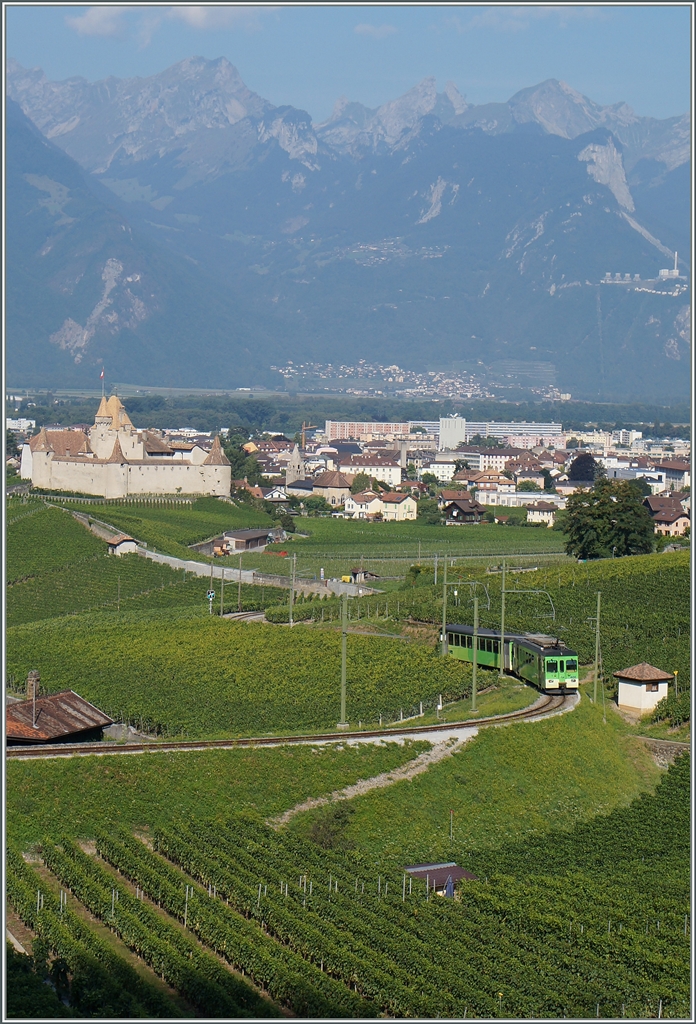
x=117 y=455
x=216 y=456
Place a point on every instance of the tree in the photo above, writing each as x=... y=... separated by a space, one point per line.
x=12 y=448
x=549 y=483
x=315 y=505
x=610 y=519
x=486 y=442
x=429 y=478
x=361 y=482
x=429 y=512
x=583 y=467
x=528 y=485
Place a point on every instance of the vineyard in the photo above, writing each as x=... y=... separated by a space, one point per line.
x=126 y=584
x=591 y=922
x=210 y=677
x=40 y=538
x=644 y=611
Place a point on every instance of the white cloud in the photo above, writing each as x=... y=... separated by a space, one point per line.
x=207 y=17
x=515 y=18
x=103 y=20
x=375 y=31
x=99 y=21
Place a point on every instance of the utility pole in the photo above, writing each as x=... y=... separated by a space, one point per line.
x=222 y=591
x=475 y=656
x=118 y=597
x=596 y=655
x=444 y=611
x=502 y=627
x=239 y=587
x=435 y=582
x=344 y=644
x=292 y=586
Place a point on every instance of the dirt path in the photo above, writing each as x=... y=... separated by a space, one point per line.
x=415 y=767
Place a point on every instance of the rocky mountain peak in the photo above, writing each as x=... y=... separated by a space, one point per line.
x=562 y=110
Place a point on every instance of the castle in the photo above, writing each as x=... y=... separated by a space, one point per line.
x=114 y=460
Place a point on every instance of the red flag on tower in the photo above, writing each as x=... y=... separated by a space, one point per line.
x=101 y=375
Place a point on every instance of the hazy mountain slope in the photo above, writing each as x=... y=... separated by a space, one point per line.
x=83 y=288
x=425 y=232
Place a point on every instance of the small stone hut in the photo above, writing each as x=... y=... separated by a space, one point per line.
x=642 y=687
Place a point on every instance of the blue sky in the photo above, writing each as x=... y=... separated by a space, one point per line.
x=308 y=56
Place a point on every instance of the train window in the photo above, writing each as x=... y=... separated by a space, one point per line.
x=457 y=640
x=489 y=646
x=571 y=666
x=552 y=666
x=496 y=646
x=469 y=642
x=561 y=666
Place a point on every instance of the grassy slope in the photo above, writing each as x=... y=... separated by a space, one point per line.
x=172 y=529
x=505 y=784
x=139 y=791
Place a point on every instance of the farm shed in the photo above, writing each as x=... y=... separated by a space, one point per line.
x=440 y=878
x=642 y=687
x=59 y=718
x=122 y=544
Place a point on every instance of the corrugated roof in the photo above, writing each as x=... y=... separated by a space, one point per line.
x=643 y=673
x=60 y=714
x=437 y=875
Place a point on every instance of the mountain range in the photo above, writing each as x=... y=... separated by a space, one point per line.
x=186 y=231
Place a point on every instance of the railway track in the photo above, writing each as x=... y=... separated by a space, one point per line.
x=547 y=704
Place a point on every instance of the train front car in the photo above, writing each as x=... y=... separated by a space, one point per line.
x=546 y=662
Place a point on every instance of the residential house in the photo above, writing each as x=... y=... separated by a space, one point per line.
x=365 y=505
x=385 y=469
x=492 y=481
x=462 y=511
x=448 y=495
x=542 y=512
x=497 y=458
x=398 y=507
x=333 y=487
x=441 y=470
x=669 y=522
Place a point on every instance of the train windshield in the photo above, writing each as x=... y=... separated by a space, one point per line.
x=551 y=666
x=571 y=665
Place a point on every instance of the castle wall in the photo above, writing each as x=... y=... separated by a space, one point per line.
x=181 y=478
x=111 y=480
x=64 y=474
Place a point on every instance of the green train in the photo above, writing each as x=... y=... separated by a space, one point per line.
x=543 y=661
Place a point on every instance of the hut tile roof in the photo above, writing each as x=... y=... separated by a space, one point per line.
x=643 y=673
